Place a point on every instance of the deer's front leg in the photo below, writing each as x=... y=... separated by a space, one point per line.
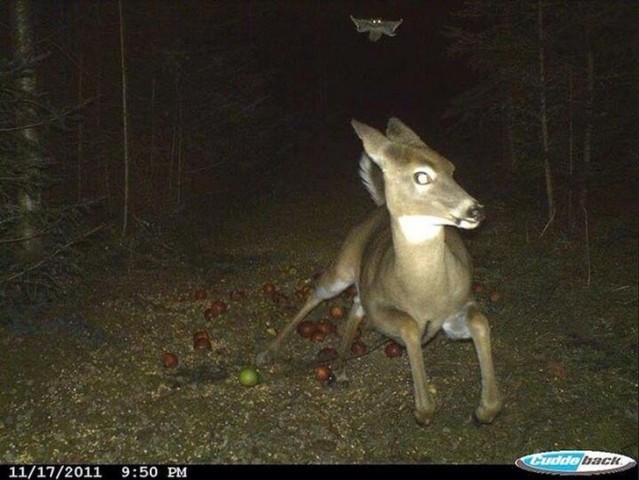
x=399 y=324
x=355 y=317
x=490 y=404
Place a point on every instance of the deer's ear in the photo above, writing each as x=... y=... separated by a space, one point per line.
x=398 y=132
x=374 y=141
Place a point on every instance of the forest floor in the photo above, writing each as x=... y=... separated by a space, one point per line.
x=83 y=380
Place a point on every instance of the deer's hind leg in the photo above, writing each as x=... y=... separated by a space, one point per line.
x=355 y=317
x=334 y=281
x=342 y=274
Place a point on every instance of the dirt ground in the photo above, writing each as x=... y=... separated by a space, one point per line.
x=83 y=379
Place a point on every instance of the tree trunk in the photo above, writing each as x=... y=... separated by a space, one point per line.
x=571 y=149
x=508 y=119
x=79 y=153
x=322 y=69
x=583 y=197
x=125 y=126
x=153 y=120
x=29 y=196
x=544 y=116
x=179 y=140
x=590 y=66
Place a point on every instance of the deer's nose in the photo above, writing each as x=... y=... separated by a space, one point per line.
x=476 y=212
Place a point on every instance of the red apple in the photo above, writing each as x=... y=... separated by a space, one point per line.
x=306 y=328
x=350 y=292
x=317 y=336
x=169 y=360
x=359 y=348
x=269 y=288
x=323 y=373
x=216 y=309
x=326 y=354
x=200 y=334
x=336 y=312
x=393 y=349
x=495 y=296
x=237 y=294
x=202 y=344
x=326 y=326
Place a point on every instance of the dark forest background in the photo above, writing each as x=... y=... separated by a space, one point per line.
x=231 y=98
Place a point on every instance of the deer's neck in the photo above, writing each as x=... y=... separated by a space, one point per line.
x=419 y=247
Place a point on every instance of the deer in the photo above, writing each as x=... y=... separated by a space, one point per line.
x=411 y=270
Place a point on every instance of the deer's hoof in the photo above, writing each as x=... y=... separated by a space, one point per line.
x=484 y=415
x=341 y=376
x=263 y=358
x=423 y=418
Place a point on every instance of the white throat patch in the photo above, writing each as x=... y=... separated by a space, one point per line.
x=419 y=228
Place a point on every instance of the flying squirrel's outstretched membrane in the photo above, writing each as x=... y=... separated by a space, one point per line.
x=376 y=27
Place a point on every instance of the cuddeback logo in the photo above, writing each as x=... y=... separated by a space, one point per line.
x=575 y=462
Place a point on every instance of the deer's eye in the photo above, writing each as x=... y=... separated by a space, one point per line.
x=422 y=178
